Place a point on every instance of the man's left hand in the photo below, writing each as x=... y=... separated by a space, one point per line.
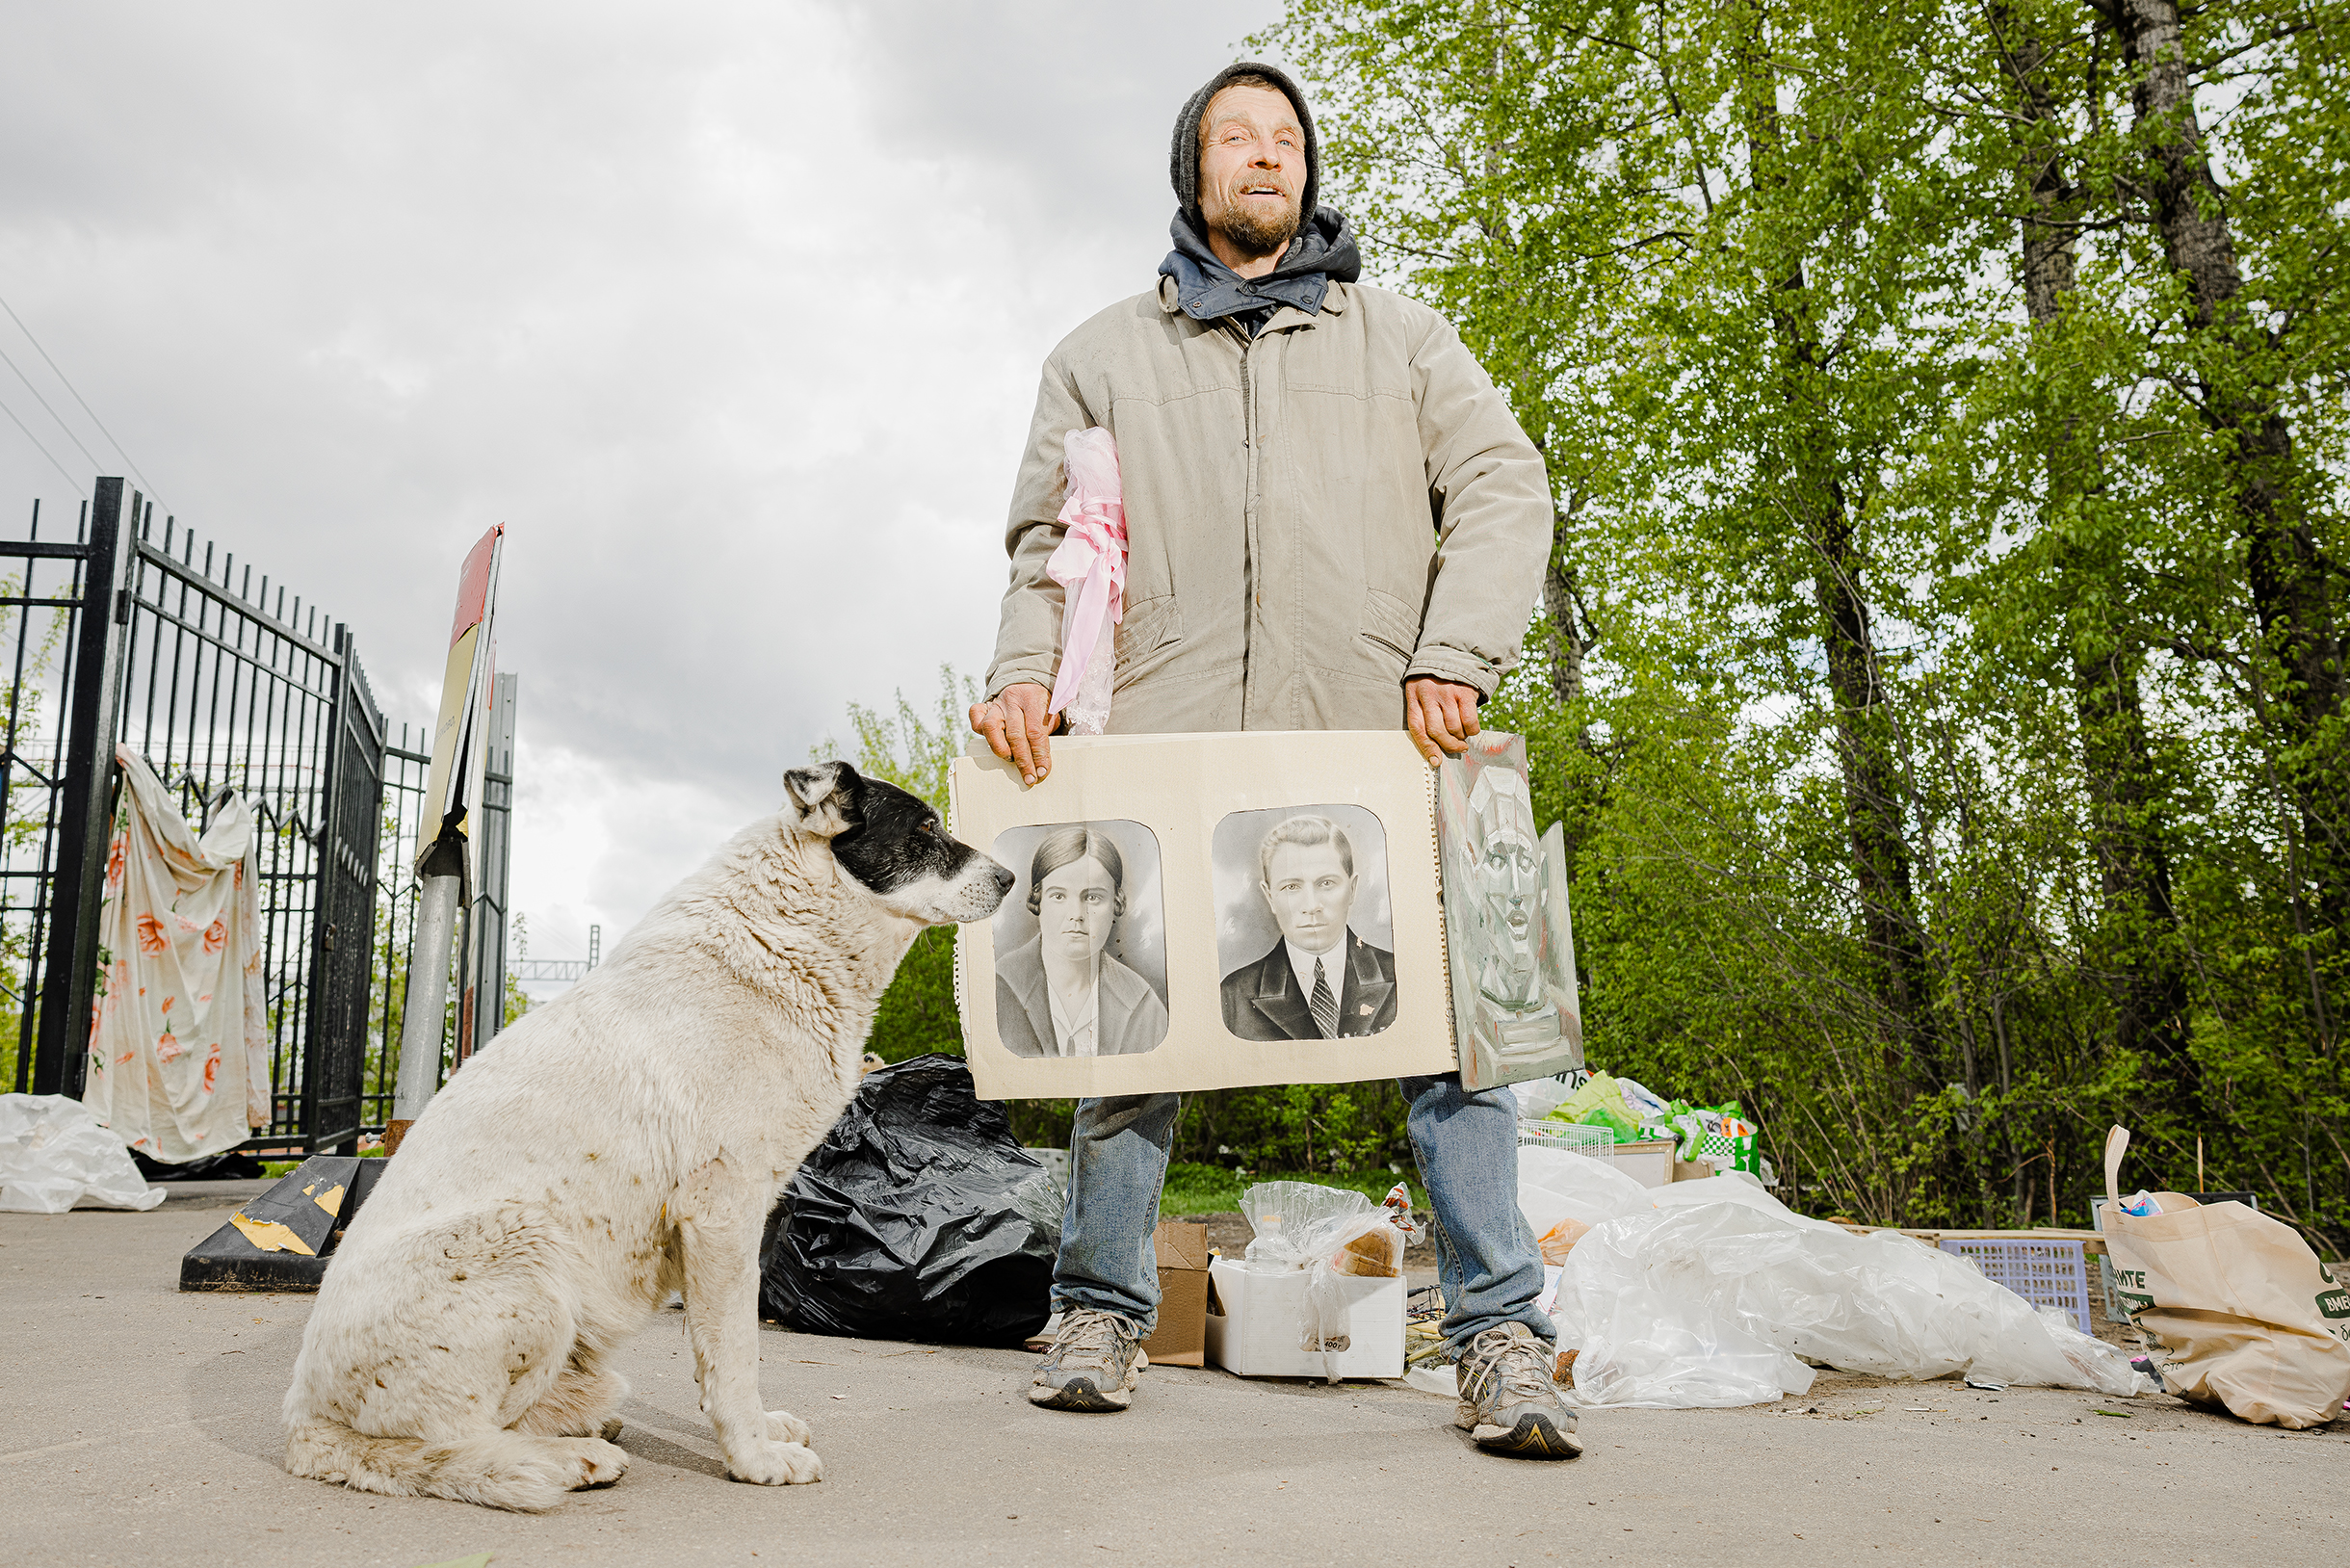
x=1441 y=715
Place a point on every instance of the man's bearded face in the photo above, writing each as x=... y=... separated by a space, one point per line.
x=1252 y=167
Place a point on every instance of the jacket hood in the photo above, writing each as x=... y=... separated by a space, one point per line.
x=1321 y=251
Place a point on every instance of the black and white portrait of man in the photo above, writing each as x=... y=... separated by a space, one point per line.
x=1080 y=955
x=1304 y=936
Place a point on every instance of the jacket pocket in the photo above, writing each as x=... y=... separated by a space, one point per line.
x=1150 y=635
x=1392 y=628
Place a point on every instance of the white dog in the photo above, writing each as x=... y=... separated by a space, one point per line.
x=620 y=1143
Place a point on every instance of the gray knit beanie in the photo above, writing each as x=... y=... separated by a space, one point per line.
x=1183 y=157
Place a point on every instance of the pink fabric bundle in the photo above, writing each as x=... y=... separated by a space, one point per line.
x=1090 y=566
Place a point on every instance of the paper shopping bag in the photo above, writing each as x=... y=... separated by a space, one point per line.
x=2249 y=1319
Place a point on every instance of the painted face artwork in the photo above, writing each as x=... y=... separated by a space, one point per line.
x=1510 y=880
x=1076 y=907
x=1310 y=894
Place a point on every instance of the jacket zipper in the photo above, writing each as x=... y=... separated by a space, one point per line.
x=1251 y=583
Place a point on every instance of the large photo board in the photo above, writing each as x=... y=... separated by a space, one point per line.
x=1205 y=911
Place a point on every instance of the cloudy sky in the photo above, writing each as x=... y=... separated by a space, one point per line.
x=732 y=313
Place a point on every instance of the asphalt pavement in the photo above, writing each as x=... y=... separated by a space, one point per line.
x=139 y=1425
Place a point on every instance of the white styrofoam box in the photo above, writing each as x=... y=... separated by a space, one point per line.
x=1650 y=1164
x=1257 y=1324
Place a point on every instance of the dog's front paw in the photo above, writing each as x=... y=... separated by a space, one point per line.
x=785 y=1428
x=770 y=1463
x=601 y=1463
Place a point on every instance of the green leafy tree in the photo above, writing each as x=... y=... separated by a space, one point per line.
x=1938 y=672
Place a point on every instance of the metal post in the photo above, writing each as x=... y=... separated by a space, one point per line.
x=86 y=821
x=493 y=839
x=420 y=1020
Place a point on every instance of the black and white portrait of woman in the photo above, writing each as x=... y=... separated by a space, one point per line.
x=1081 y=952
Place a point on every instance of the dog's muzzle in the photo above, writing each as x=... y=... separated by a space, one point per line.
x=982 y=888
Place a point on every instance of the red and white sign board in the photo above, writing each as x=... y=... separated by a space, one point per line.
x=458 y=755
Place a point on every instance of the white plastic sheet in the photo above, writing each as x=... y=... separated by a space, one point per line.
x=1553 y=1185
x=1713 y=1294
x=53 y=1153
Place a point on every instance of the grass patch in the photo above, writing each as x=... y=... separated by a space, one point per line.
x=274 y=1168
x=1213 y=1189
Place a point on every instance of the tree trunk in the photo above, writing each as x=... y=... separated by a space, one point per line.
x=1872 y=792
x=1863 y=727
x=1568 y=644
x=2285 y=571
x=2136 y=948
x=2137 y=944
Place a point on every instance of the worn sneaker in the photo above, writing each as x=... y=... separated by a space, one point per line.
x=1094 y=1364
x=1508 y=1402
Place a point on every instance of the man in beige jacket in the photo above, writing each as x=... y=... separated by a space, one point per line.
x=1333 y=523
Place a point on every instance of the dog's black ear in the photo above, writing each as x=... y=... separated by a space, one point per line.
x=823 y=797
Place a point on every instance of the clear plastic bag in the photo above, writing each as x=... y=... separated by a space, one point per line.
x=1539 y=1097
x=1555 y=1186
x=1719 y=1294
x=1328 y=1232
x=54 y=1153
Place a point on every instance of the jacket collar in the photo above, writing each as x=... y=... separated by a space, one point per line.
x=1334 y=303
x=1322 y=253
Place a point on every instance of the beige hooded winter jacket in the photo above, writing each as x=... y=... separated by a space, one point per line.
x=1312 y=516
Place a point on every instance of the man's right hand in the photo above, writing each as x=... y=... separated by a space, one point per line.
x=1016 y=724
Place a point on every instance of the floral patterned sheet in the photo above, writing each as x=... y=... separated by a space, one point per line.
x=179 y=1063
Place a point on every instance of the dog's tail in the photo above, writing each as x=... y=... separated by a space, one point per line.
x=498 y=1469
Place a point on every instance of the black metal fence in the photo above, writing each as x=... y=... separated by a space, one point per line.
x=221 y=685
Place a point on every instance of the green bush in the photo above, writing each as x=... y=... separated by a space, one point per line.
x=1194 y=1189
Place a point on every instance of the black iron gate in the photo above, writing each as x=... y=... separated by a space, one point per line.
x=222 y=687
x=343 y=934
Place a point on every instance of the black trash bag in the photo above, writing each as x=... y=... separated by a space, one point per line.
x=918 y=1218
x=232 y=1164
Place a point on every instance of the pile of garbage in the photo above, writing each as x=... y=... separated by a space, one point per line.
x=1721 y=1136
x=1710 y=1292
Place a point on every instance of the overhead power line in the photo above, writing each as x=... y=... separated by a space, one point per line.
x=44 y=451
x=65 y=381
x=94 y=464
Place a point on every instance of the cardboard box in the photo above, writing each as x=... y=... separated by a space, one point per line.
x=1257 y=1324
x=1649 y=1162
x=1691 y=1170
x=1181 y=1338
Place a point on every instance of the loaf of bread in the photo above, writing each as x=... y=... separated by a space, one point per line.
x=1375 y=1254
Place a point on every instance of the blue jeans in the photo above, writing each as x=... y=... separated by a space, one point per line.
x=1466 y=1144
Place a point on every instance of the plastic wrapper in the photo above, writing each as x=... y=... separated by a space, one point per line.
x=1090 y=566
x=1642 y=1102
x=54 y=1153
x=1539 y=1097
x=1557 y=1242
x=1719 y=1294
x=918 y=1218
